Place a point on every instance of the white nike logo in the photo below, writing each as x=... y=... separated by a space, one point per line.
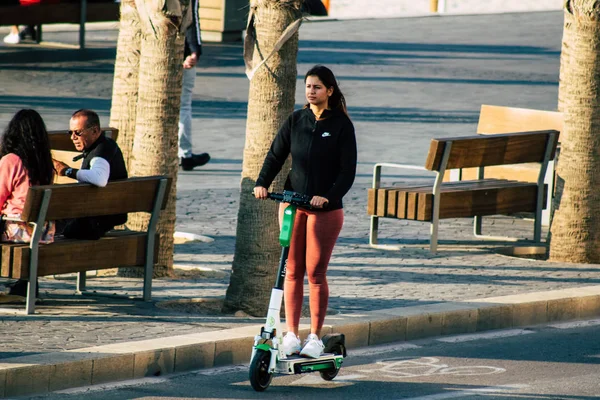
x=325 y=134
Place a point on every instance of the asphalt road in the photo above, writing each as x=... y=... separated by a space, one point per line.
x=558 y=361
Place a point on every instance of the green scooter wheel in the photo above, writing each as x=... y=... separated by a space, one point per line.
x=260 y=378
x=329 y=374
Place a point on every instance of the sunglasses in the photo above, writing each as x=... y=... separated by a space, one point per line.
x=77 y=133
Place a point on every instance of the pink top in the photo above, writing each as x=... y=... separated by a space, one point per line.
x=14 y=183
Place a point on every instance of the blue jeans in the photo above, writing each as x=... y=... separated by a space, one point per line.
x=185 y=112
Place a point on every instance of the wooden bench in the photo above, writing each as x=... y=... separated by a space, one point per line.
x=467 y=198
x=500 y=119
x=116 y=249
x=69 y=12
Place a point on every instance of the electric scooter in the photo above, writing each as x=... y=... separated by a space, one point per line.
x=268 y=357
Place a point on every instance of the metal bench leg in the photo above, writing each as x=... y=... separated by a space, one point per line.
x=38 y=31
x=433 y=241
x=30 y=305
x=150 y=240
x=373 y=230
x=477 y=225
x=82 y=19
x=537 y=223
x=81 y=280
x=148 y=272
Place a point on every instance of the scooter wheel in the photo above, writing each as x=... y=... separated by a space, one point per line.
x=328 y=375
x=260 y=378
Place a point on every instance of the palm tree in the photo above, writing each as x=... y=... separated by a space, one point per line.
x=146 y=100
x=270 y=101
x=575 y=228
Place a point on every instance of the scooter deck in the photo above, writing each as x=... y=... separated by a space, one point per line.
x=295 y=364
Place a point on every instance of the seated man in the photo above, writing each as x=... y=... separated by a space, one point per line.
x=102 y=162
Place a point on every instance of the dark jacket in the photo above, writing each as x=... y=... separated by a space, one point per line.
x=93 y=228
x=323 y=155
x=193 y=43
x=109 y=150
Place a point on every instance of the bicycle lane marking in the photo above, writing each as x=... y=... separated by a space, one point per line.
x=410 y=367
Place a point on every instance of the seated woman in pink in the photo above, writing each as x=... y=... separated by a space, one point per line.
x=25 y=161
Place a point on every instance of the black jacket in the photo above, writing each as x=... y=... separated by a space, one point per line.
x=109 y=150
x=193 y=42
x=323 y=155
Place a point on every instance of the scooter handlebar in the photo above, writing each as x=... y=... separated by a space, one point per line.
x=290 y=197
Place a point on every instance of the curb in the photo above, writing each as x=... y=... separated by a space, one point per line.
x=44 y=373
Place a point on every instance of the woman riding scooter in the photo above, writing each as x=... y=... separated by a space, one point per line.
x=321 y=140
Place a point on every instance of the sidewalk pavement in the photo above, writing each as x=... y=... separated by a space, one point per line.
x=406 y=82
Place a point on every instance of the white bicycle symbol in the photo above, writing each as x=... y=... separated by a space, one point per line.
x=405 y=367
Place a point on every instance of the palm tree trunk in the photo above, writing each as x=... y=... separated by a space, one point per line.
x=157 y=115
x=575 y=229
x=126 y=78
x=565 y=53
x=125 y=88
x=270 y=102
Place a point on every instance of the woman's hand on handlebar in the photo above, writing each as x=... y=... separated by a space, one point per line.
x=260 y=192
x=318 y=201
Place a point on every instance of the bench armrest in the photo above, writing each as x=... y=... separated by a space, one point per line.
x=378 y=166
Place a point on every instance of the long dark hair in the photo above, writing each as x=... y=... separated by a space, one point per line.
x=27 y=137
x=325 y=75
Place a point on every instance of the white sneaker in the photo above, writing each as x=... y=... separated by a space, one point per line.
x=291 y=344
x=313 y=347
x=12 y=38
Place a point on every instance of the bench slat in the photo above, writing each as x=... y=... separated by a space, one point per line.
x=499 y=119
x=482 y=151
x=67 y=256
x=458 y=199
x=507 y=200
x=6 y=268
x=81 y=200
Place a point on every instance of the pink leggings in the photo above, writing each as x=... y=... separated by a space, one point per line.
x=313 y=238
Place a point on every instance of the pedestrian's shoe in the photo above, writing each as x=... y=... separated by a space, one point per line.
x=12 y=38
x=290 y=344
x=313 y=347
x=196 y=160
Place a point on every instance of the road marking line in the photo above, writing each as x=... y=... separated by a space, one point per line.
x=470 y=392
x=576 y=324
x=486 y=335
x=368 y=351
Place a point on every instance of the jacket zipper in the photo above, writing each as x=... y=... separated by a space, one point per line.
x=308 y=156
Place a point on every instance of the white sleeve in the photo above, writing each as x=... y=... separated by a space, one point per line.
x=97 y=174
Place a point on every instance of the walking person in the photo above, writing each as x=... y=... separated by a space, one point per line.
x=320 y=137
x=193 y=50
